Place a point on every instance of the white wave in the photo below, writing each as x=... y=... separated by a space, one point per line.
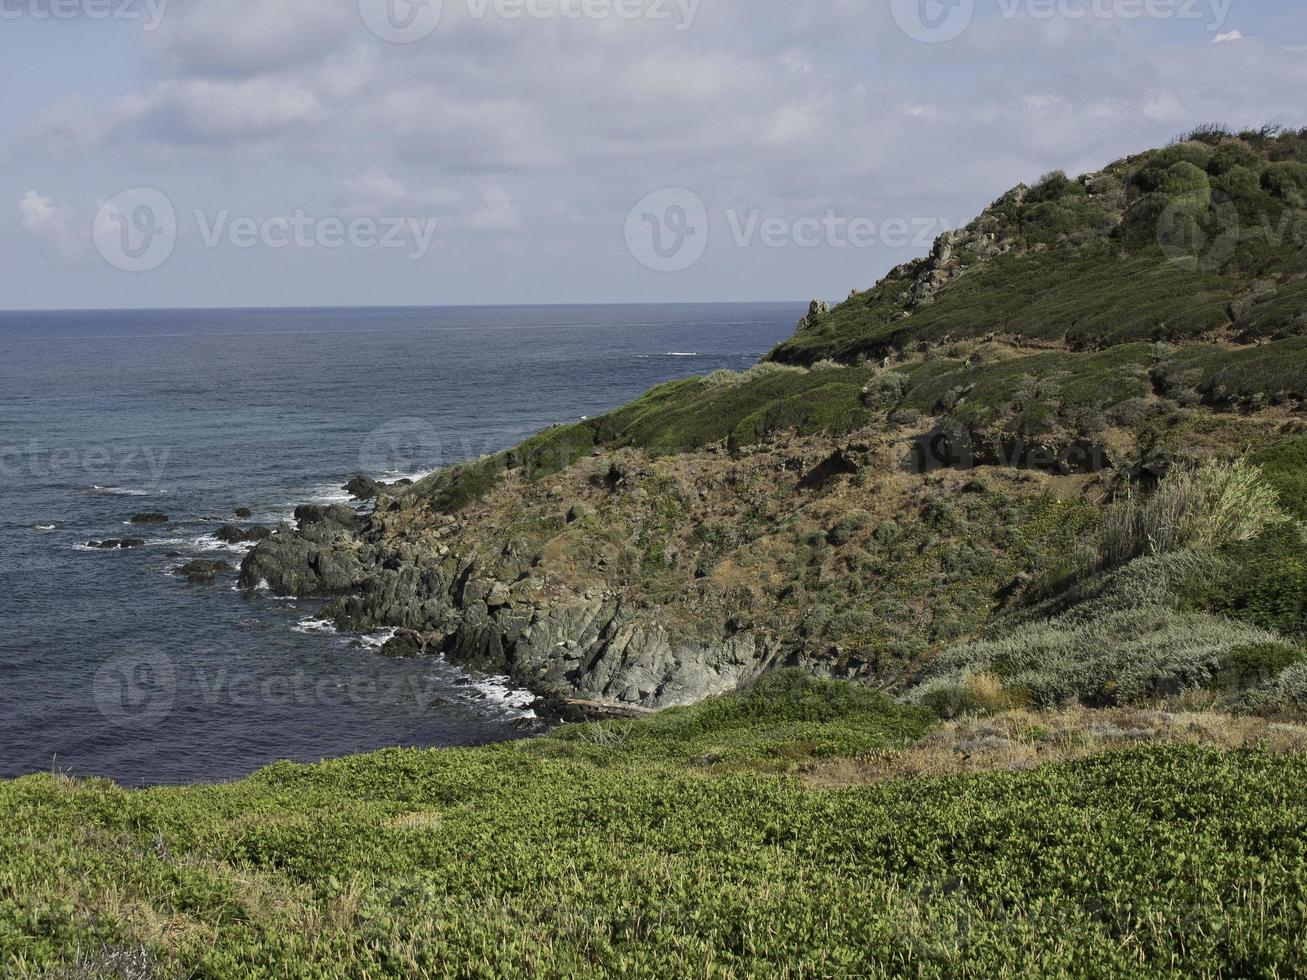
x=328 y=494
x=46 y=527
x=375 y=641
x=500 y=691
x=119 y=491
x=207 y=543
x=681 y=353
x=394 y=476
x=315 y=626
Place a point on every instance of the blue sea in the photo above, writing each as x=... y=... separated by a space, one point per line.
x=111 y=665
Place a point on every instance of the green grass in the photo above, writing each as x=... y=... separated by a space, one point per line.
x=1089 y=298
x=585 y=856
x=1034 y=395
x=740 y=410
x=1274 y=373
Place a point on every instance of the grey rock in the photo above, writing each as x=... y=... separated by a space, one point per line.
x=202 y=572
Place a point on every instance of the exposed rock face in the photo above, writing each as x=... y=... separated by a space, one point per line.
x=114 y=545
x=322 y=558
x=589 y=646
x=149 y=519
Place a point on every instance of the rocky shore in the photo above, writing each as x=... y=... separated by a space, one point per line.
x=592 y=646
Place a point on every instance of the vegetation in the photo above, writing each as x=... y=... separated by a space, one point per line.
x=1213 y=505
x=635 y=849
x=1175 y=244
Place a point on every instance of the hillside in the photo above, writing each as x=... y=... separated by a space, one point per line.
x=902 y=478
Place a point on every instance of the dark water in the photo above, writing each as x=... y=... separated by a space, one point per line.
x=110 y=665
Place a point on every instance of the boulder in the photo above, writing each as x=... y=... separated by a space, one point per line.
x=242 y=535
x=338 y=515
x=149 y=518
x=202 y=572
x=113 y=545
x=364 y=488
x=244 y=513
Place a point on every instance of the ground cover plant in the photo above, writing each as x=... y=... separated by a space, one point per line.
x=688 y=844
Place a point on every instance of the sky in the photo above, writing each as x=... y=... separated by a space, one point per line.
x=195 y=153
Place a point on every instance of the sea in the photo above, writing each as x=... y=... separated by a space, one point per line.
x=113 y=666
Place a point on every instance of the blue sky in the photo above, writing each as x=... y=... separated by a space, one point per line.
x=775 y=150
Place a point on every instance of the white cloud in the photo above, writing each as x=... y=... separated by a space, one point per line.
x=378 y=194
x=46 y=222
x=1231 y=36
x=261 y=106
x=497 y=212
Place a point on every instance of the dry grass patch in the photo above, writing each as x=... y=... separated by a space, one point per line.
x=1027 y=739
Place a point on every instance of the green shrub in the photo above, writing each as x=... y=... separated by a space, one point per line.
x=1228 y=156
x=1256 y=665
x=1186 y=180
x=1284 y=467
x=1288 y=181
x=1212 y=505
x=1263 y=582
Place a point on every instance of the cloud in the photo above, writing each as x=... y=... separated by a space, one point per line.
x=1231 y=36
x=503 y=126
x=47 y=223
x=497 y=212
x=375 y=193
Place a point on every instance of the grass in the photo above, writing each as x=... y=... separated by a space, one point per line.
x=1275 y=373
x=586 y=856
x=1212 y=505
x=1091 y=299
x=739 y=410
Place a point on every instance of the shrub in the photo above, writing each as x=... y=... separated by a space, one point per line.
x=1185 y=179
x=1287 y=180
x=1230 y=155
x=1263 y=582
x=1116 y=658
x=1284 y=467
x=1239 y=181
x=884 y=391
x=1288 y=692
x=1051 y=187
x=1213 y=505
x=1257 y=664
